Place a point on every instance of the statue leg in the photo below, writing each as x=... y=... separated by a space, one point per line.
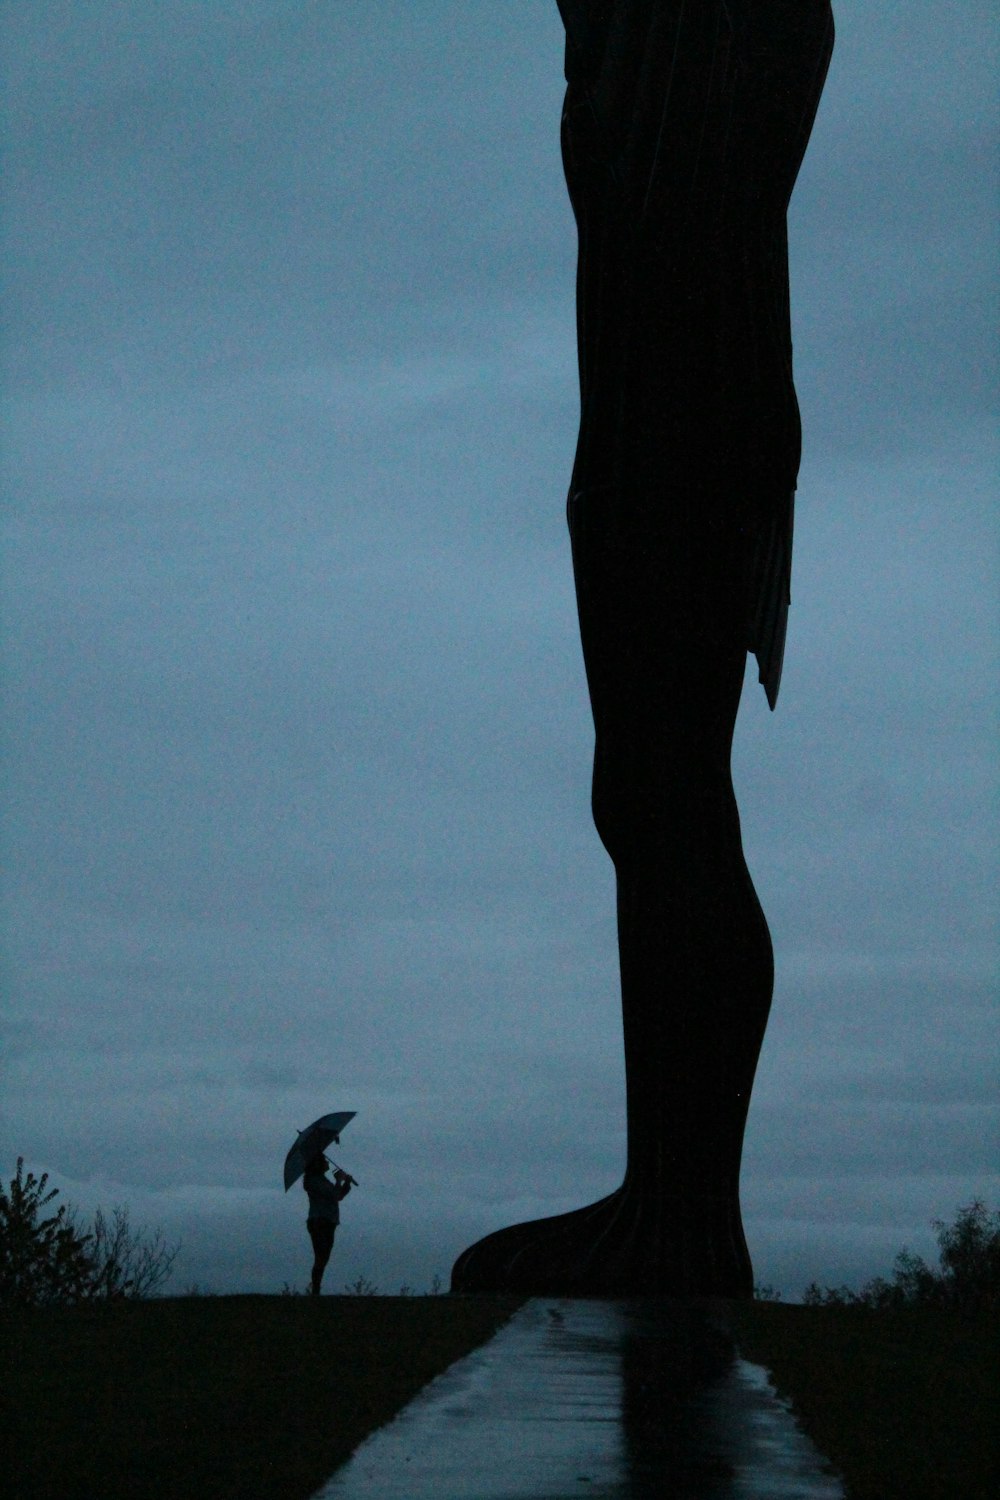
x=683 y=131
x=695 y=955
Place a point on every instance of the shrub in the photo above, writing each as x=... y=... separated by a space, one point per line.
x=51 y=1260
x=969 y=1278
x=128 y=1262
x=361 y=1288
x=42 y=1259
x=970 y=1258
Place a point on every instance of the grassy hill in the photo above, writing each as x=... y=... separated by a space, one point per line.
x=903 y=1402
x=248 y=1397
x=219 y=1397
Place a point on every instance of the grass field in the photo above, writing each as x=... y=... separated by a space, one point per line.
x=213 y=1398
x=903 y=1403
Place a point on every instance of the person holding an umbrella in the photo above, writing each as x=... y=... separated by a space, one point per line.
x=324 y=1211
x=306 y=1160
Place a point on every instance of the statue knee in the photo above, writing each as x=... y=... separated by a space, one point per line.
x=662 y=811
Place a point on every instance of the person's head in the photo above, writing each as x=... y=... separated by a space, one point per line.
x=317 y=1163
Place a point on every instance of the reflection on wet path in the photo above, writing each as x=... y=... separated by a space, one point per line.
x=598 y=1399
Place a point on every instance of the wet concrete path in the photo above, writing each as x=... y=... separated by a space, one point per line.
x=597 y=1399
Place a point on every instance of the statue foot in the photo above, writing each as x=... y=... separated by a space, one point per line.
x=632 y=1243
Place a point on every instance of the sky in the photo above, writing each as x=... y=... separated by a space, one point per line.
x=297 y=745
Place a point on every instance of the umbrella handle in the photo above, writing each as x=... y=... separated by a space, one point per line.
x=352 y=1180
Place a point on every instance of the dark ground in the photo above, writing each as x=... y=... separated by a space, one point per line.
x=248 y=1397
x=218 y=1397
x=903 y=1403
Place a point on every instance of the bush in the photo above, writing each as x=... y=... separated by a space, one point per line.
x=47 y=1260
x=970 y=1258
x=128 y=1262
x=361 y=1288
x=968 y=1281
x=42 y=1260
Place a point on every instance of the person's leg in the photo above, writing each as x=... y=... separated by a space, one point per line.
x=321 y=1232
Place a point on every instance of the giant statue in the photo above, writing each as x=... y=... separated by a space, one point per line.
x=684 y=125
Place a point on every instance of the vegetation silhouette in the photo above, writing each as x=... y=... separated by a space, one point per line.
x=49 y=1260
x=968 y=1280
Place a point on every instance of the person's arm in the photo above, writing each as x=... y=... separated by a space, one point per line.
x=318 y=1186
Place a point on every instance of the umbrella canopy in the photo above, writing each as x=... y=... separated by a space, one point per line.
x=315 y=1138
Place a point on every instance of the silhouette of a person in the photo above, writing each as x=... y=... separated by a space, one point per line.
x=325 y=1198
x=684 y=126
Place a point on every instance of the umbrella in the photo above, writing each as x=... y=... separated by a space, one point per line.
x=314 y=1139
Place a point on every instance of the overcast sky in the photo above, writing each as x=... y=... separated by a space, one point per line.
x=297 y=738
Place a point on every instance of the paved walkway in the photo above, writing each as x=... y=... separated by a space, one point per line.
x=595 y=1399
